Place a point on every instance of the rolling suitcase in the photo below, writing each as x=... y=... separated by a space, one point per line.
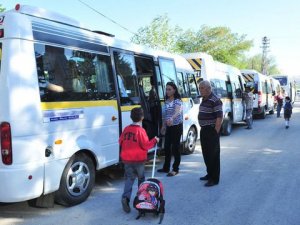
x=150 y=196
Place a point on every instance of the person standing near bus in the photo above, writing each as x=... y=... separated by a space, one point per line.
x=210 y=119
x=172 y=128
x=134 y=144
x=279 y=100
x=248 y=98
x=287 y=111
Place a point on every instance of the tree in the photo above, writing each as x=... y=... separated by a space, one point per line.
x=255 y=61
x=1 y=8
x=158 y=35
x=220 y=42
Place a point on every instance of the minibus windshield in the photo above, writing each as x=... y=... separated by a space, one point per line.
x=282 y=80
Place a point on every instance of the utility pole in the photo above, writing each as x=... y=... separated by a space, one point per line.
x=265 y=46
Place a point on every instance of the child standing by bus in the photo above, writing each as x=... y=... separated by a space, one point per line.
x=134 y=144
x=287 y=111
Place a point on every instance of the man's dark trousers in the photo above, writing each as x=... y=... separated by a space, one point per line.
x=210 y=144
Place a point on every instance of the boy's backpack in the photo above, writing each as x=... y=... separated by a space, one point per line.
x=150 y=196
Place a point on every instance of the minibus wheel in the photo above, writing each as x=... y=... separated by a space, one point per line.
x=263 y=114
x=190 y=143
x=227 y=126
x=77 y=180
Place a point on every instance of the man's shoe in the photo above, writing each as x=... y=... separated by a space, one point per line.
x=204 y=178
x=248 y=128
x=162 y=170
x=125 y=205
x=210 y=183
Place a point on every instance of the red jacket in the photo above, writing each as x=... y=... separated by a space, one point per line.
x=135 y=144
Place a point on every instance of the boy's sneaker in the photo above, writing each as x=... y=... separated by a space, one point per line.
x=125 y=205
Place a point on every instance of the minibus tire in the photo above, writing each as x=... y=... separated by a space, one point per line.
x=227 y=126
x=80 y=169
x=263 y=114
x=190 y=143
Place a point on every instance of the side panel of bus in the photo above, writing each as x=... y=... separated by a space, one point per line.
x=83 y=118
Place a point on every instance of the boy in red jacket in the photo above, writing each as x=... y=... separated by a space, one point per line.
x=134 y=144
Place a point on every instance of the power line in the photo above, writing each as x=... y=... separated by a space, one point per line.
x=106 y=17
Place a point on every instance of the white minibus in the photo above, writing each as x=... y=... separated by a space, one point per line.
x=65 y=95
x=263 y=95
x=288 y=86
x=276 y=88
x=227 y=82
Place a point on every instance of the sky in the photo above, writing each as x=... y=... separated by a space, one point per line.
x=279 y=20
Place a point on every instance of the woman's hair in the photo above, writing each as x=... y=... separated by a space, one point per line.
x=176 y=94
x=136 y=114
x=287 y=98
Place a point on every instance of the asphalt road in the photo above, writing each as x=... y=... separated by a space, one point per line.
x=260 y=178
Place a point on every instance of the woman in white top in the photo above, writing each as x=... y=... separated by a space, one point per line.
x=172 y=127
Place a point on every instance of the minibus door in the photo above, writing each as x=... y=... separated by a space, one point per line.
x=148 y=92
x=126 y=78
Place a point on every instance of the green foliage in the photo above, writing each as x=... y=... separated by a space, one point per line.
x=158 y=35
x=255 y=62
x=220 y=42
x=1 y=8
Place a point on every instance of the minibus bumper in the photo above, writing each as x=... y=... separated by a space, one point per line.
x=257 y=111
x=21 y=183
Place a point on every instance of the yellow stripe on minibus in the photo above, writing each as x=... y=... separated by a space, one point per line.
x=238 y=99
x=199 y=61
x=225 y=100
x=128 y=107
x=78 y=104
x=248 y=77
x=194 y=65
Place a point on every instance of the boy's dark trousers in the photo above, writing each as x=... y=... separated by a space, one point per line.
x=133 y=170
x=210 y=144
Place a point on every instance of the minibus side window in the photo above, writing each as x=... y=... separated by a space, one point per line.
x=126 y=78
x=219 y=87
x=72 y=75
x=194 y=93
x=223 y=89
x=181 y=84
x=159 y=83
x=168 y=70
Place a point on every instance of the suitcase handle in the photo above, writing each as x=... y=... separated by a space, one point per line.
x=154 y=160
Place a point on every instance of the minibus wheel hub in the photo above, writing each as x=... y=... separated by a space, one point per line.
x=78 y=178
